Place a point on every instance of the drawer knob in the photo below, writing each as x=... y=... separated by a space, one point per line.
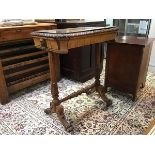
x=19 y=30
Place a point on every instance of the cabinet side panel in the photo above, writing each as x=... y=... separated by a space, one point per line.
x=123 y=62
x=4 y=97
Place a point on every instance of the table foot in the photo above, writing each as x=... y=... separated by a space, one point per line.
x=62 y=118
x=50 y=110
x=101 y=92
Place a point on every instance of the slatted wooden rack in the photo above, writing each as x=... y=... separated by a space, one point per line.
x=21 y=64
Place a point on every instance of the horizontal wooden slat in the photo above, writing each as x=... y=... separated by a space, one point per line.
x=16 y=80
x=25 y=76
x=26 y=70
x=23 y=56
x=16 y=49
x=15 y=43
x=27 y=83
x=25 y=63
x=20 y=68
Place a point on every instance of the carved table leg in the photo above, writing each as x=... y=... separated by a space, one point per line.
x=55 y=104
x=99 y=88
x=54 y=87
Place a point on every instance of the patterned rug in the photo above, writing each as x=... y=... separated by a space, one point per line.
x=24 y=115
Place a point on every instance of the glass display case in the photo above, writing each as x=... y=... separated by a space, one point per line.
x=133 y=27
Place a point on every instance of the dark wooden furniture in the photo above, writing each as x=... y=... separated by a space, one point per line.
x=21 y=64
x=79 y=23
x=79 y=63
x=127 y=64
x=59 y=41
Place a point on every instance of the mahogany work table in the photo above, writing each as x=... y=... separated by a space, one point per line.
x=59 y=41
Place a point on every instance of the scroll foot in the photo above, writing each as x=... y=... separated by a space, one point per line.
x=50 y=110
x=62 y=118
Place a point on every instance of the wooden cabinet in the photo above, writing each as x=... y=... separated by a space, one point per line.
x=79 y=64
x=21 y=64
x=127 y=64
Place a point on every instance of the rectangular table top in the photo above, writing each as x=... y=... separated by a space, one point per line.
x=61 y=40
x=72 y=32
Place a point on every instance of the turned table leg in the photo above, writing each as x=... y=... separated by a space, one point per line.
x=99 y=88
x=55 y=104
